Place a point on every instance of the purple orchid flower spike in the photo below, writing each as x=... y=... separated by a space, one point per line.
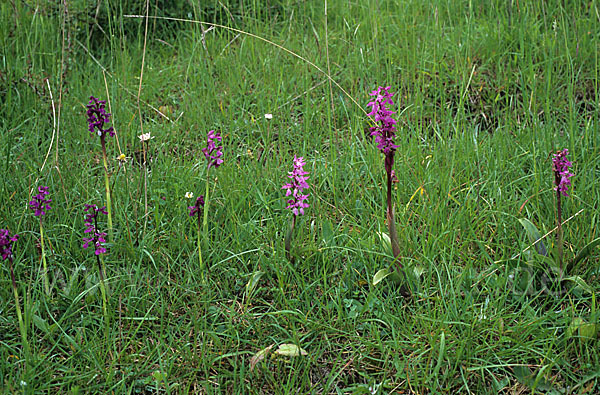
x=212 y=152
x=384 y=132
x=297 y=203
x=562 y=175
x=195 y=209
x=98 y=117
x=91 y=222
x=39 y=203
x=6 y=241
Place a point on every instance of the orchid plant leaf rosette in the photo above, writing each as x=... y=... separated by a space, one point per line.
x=561 y=271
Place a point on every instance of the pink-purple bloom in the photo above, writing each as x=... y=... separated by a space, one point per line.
x=384 y=131
x=195 y=209
x=91 y=226
x=562 y=175
x=39 y=203
x=6 y=241
x=297 y=202
x=212 y=152
x=98 y=117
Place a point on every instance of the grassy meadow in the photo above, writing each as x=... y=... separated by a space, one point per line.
x=485 y=93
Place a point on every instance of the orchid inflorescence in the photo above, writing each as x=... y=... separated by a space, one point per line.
x=91 y=223
x=562 y=175
x=6 y=241
x=384 y=131
x=97 y=117
x=39 y=203
x=212 y=152
x=296 y=187
x=195 y=209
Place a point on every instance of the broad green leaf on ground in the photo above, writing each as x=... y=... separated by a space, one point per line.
x=290 y=350
x=584 y=252
x=534 y=236
x=380 y=275
x=259 y=356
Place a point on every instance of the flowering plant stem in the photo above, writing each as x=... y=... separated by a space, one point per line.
x=562 y=182
x=200 y=244
x=44 y=265
x=205 y=214
x=559 y=235
x=22 y=326
x=107 y=185
x=392 y=223
x=103 y=292
x=288 y=240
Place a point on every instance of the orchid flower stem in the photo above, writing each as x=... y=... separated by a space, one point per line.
x=559 y=234
x=107 y=185
x=144 y=148
x=200 y=248
x=104 y=297
x=44 y=265
x=206 y=200
x=392 y=222
x=288 y=240
x=394 y=235
x=22 y=326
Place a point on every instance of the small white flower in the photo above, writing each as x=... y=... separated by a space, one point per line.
x=268 y=116
x=145 y=137
x=23 y=383
x=189 y=195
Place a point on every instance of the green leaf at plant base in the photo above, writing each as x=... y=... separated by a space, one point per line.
x=290 y=350
x=580 y=282
x=380 y=275
x=385 y=240
x=535 y=382
x=584 y=253
x=159 y=376
x=41 y=324
x=534 y=236
x=327 y=230
x=253 y=282
x=584 y=329
x=588 y=331
x=259 y=356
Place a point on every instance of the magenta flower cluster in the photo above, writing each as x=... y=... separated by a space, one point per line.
x=562 y=175
x=297 y=202
x=384 y=131
x=39 y=203
x=98 y=117
x=91 y=226
x=212 y=152
x=195 y=209
x=6 y=241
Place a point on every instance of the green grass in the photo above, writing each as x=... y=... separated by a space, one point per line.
x=486 y=91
